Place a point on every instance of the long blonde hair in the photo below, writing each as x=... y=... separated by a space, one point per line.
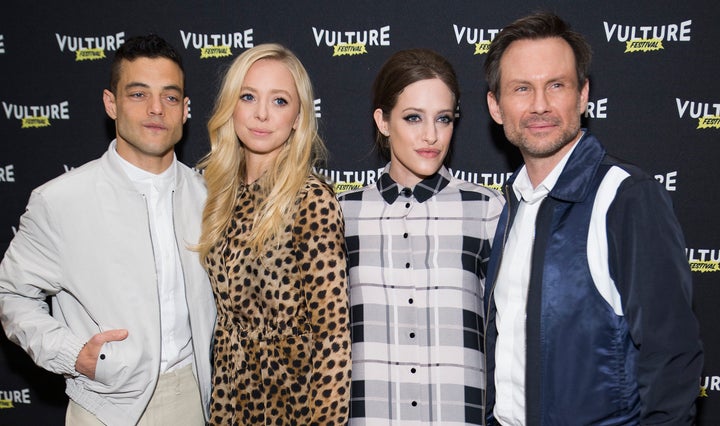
x=224 y=165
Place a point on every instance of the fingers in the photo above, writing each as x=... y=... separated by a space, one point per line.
x=87 y=358
x=113 y=335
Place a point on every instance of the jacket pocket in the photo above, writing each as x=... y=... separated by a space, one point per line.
x=111 y=367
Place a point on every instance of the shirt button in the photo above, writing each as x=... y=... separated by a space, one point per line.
x=407 y=205
x=410 y=301
x=412 y=335
x=413 y=370
x=102 y=356
x=405 y=235
x=414 y=403
x=407 y=265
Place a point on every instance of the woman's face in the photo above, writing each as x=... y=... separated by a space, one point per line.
x=267 y=111
x=419 y=129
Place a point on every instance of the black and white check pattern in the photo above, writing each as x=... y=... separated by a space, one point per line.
x=417 y=262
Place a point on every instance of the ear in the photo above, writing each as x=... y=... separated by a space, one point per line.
x=380 y=122
x=494 y=108
x=297 y=120
x=186 y=109
x=584 y=96
x=110 y=104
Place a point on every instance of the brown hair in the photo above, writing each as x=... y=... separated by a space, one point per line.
x=537 y=26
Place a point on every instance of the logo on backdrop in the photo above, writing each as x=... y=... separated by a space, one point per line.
x=352 y=42
x=7 y=173
x=90 y=48
x=318 y=113
x=490 y=180
x=8 y=398
x=647 y=38
x=597 y=109
x=707 y=114
x=345 y=180
x=32 y=116
x=478 y=38
x=709 y=384
x=217 y=45
x=2 y=44
x=703 y=260
x=668 y=180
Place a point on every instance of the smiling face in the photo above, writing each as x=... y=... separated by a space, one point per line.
x=419 y=127
x=541 y=100
x=149 y=111
x=266 y=113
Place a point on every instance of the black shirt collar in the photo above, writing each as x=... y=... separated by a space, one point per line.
x=423 y=191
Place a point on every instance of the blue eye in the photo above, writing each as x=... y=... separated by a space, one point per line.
x=446 y=119
x=247 y=97
x=280 y=101
x=412 y=118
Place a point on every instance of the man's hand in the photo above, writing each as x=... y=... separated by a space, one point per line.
x=87 y=358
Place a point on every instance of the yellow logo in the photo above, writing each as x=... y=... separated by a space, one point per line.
x=643 y=45
x=703 y=266
x=349 y=49
x=346 y=186
x=497 y=187
x=6 y=403
x=709 y=122
x=90 y=54
x=215 y=52
x=482 y=48
x=703 y=392
x=30 y=122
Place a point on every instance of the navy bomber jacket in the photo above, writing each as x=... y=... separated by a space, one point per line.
x=611 y=336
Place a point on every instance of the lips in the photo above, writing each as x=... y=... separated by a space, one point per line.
x=540 y=125
x=428 y=153
x=260 y=132
x=155 y=126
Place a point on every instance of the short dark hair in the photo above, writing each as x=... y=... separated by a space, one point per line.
x=537 y=26
x=402 y=69
x=147 y=46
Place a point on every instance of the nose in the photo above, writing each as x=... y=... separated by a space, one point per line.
x=540 y=102
x=430 y=133
x=261 y=111
x=155 y=107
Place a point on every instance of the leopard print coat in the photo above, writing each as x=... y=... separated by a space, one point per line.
x=282 y=343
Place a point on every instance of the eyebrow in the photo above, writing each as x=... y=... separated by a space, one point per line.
x=136 y=84
x=272 y=91
x=409 y=109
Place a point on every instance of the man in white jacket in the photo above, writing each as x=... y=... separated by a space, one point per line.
x=109 y=243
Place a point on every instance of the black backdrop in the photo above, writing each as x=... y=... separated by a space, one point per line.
x=654 y=101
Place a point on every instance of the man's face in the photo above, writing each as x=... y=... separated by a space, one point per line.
x=149 y=111
x=540 y=100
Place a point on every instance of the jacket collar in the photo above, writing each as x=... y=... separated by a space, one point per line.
x=117 y=174
x=573 y=184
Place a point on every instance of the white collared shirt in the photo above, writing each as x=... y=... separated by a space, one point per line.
x=174 y=316
x=511 y=297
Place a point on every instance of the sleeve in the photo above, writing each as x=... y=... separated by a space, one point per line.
x=320 y=230
x=648 y=263
x=30 y=272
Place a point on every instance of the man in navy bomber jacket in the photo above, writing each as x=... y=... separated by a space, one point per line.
x=588 y=302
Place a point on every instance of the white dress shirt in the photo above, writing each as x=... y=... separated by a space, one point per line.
x=174 y=317
x=511 y=297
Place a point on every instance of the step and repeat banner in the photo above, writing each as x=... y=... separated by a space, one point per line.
x=654 y=101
